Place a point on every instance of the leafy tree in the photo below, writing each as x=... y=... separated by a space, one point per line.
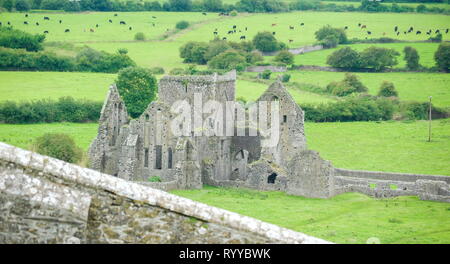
x=344 y=58
x=194 y=52
x=227 y=60
x=180 y=5
x=266 y=74
x=212 y=5
x=285 y=77
x=411 y=58
x=8 y=4
x=442 y=56
x=60 y=146
x=137 y=87
x=17 y=39
x=22 y=5
x=350 y=84
x=387 y=89
x=216 y=47
x=285 y=56
x=379 y=58
x=329 y=34
x=265 y=42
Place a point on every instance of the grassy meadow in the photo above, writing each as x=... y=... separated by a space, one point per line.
x=346 y=218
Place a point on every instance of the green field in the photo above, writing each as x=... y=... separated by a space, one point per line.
x=378 y=146
x=414 y=5
x=347 y=218
x=426 y=52
x=410 y=86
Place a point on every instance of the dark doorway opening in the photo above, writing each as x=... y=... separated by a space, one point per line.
x=169 y=158
x=158 y=157
x=272 y=177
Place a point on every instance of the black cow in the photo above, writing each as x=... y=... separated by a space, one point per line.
x=291 y=27
x=115 y=14
x=60 y=21
x=446 y=31
x=67 y=30
x=96 y=25
x=234 y=27
x=245 y=28
x=369 y=32
x=437 y=31
x=26 y=15
x=25 y=22
x=242 y=37
x=0 y=23
x=9 y=23
x=37 y=24
x=302 y=24
x=396 y=28
x=418 y=32
x=273 y=33
x=122 y=23
x=345 y=27
x=359 y=24
x=224 y=38
x=110 y=21
x=130 y=28
x=398 y=33
x=215 y=33
x=46 y=32
x=46 y=18
x=204 y=13
x=230 y=32
x=411 y=29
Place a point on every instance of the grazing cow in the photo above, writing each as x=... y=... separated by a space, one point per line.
x=96 y=25
x=428 y=33
x=359 y=24
x=115 y=14
x=242 y=37
x=67 y=30
x=122 y=23
x=411 y=29
x=396 y=28
x=224 y=38
x=9 y=23
x=437 y=31
x=46 y=18
x=110 y=21
x=398 y=33
x=91 y=30
x=234 y=27
x=215 y=32
x=418 y=32
x=274 y=25
x=446 y=31
x=25 y=22
x=369 y=32
x=363 y=26
x=204 y=13
x=291 y=40
x=60 y=21
x=37 y=24
x=291 y=27
x=46 y=32
x=345 y=27
x=153 y=17
x=273 y=33
x=302 y=24
x=404 y=32
x=26 y=15
x=130 y=28
x=0 y=23
x=230 y=32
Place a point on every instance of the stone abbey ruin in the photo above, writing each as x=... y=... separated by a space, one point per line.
x=146 y=147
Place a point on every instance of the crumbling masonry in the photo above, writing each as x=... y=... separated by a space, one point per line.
x=146 y=148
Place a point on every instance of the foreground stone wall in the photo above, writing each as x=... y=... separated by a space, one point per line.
x=45 y=200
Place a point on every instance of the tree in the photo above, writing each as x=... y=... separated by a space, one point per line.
x=8 y=4
x=22 y=5
x=379 y=58
x=137 y=87
x=182 y=24
x=213 y=5
x=265 y=42
x=442 y=56
x=350 y=84
x=344 y=58
x=60 y=146
x=180 y=5
x=227 y=60
x=285 y=57
x=387 y=89
x=411 y=58
x=194 y=52
x=215 y=48
x=328 y=33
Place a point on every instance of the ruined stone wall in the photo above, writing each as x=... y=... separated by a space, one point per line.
x=45 y=200
x=271 y=68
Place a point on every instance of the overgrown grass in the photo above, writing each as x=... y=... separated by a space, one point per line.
x=346 y=218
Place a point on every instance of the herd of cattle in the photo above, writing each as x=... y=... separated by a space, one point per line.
x=235 y=29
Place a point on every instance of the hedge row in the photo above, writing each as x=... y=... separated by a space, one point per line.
x=65 y=109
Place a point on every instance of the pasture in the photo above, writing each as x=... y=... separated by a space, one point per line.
x=426 y=52
x=346 y=218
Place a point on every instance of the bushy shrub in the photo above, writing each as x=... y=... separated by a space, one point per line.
x=266 y=42
x=122 y=51
x=22 y=5
x=350 y=84
x=285 y=77
x=194 y=52
x=387 y=89
x=233 y=13
x=346 y=58
x=89 y=59
x=285 y=57
x=139 y=36
x=266 y=74
x=18 y=59
x=411 y=58
x=60 y=146
x=182 y=24
x=228 y=60
x=65 y=109
x=157 y=70
x=378 y=58
x=329 y=34
x=442 y=57
x=137 y=87
x=17 y=39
